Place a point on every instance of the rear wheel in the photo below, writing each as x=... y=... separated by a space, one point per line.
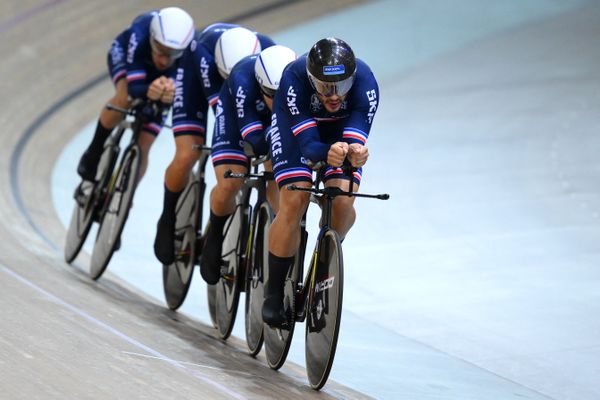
x=324 y=310
x=229 y=286
x=119 y=202
x=177 y=276
x=255 y=279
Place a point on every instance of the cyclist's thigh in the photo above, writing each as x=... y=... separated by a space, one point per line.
x=189 y=104
x=289 y=166
x=227 y=142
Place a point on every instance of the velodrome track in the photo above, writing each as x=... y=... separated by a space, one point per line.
x=63 y=336
x=493 y=236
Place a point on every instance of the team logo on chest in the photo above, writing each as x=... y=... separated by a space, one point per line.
x=315 y=104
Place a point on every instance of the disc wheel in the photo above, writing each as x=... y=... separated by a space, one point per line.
x=119 y=202
x=324 y=310
x=255 y=279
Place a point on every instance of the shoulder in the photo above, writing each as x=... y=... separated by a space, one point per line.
x=296 y=70
x=265 y=41
x=242 y=76
x=142 y=21
x=364 y=75
x=244 y=69
x=209 y=35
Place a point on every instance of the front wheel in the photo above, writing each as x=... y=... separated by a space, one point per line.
x=88 y=199
x=279 y=340
x=259 y=258
x=81 y=220
x=117 y=210
x=324 y=309
x=177 y=276
x=229 y=285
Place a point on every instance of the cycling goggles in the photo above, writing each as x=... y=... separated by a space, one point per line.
x=163 y=50
x=327 y=89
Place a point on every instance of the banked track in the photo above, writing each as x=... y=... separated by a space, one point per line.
x=64 y=335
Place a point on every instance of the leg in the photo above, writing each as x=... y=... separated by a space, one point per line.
x=145 y=141
x=272 y=189
x=284 y=239
x=343 y=212
x=222 y=205
x=106 y=123
x=176 y=178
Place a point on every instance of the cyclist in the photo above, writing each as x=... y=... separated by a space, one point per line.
x=141 y=62
x=322 y=113
x=243 y=116
x=212 y=55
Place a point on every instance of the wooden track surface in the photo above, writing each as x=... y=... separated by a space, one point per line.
x=63 y=335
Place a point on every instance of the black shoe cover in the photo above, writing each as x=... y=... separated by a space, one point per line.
x=210 y=262
x=273 y=313
x=164 y=243
x=87 y=167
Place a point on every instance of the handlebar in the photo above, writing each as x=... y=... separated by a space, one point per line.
x=334 y=191
x=148 y=110
x=267 y=175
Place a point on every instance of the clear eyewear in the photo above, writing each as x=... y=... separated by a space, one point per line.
x=161 y=50
x=327 y=89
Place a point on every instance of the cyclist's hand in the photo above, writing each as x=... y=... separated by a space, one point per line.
x=156 y=89
x=169 y=93
x=337 y=154
x=358 y=155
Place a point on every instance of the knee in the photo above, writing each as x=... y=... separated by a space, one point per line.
x=292 y=205
x=186 y=158
x=229 y=187
x=344 y=206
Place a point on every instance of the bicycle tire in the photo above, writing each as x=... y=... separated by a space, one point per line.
x=86 y=203
x=259 y=258
x=119 y=202
x=324 y=309
x=228 y=287
x=177 y=277
x=278 y=341
x=81 y=220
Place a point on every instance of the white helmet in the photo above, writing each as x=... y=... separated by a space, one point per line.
x=173 y=28
x=233 y=45
x=269 y=66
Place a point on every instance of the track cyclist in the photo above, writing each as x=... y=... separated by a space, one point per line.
x=322 y=112
x=142 y=62
x=243 y=116
x=209 y=60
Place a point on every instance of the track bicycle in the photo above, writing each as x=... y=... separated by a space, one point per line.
x=108 y=198
x=317 y=299
x=177 y=277
x=237 y=261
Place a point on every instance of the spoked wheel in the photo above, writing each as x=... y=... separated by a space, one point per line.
x=324 y=310
x=228 y=288
x=277 y=340
x=119 y=202
x=177 y=277
x=86 y=202
x=255 y=279
x=81 y=220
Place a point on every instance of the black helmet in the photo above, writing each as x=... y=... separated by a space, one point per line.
x=331 y=66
